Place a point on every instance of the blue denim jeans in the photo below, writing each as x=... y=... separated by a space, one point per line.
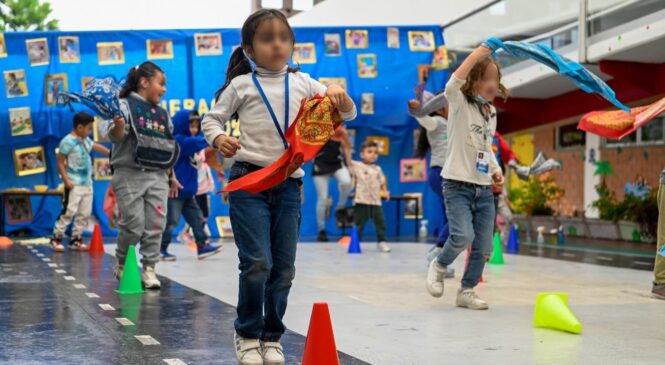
x=471 y=221
x=266 y=227
x=436 y=183
x=190 y=210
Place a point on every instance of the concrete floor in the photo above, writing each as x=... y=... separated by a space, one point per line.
x=382 y=314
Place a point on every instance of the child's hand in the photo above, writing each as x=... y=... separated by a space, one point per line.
x=227 y=145
x=119 y=120
x=338 y=97
x=414 y=104
x=69 y=185
x=498 y=179
x=174 y=186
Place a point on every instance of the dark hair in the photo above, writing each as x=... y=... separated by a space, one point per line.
x=422 y=145
x=368 y=144
x=146 y=70
x=476 y=74
x=239 y=64
x=82 y=118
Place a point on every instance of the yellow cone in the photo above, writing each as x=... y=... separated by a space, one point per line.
x=552 y=311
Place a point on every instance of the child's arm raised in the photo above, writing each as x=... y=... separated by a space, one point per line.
x=214 y=121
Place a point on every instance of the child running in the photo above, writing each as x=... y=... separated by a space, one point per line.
x=75 y=167
x=187 y=133
x=144 y=151
x=469 y=172
x=266 y=225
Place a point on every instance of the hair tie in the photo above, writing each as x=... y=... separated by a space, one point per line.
x=251 y=63
x=136 y=68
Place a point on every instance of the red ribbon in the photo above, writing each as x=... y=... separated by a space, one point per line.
x=600 y=122
x=315 y=123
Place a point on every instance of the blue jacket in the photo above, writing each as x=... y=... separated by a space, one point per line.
x=185 y=167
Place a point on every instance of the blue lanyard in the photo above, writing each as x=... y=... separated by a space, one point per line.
x=272 y=113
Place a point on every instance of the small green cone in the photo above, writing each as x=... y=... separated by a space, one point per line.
x=497 y=252
x=131 y=278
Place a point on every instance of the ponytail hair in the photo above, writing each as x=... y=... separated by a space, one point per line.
x=239 y=64
x=146 y=70
x=422 y=144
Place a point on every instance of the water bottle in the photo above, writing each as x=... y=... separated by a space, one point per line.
x=422 y=232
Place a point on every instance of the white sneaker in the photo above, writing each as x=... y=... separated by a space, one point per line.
x=468 y=298
x=273 y=353
x=383 y=247
x=435 y=274
x=149 y=278
x=248 y=351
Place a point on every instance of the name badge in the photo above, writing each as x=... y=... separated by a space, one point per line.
x=483 y=162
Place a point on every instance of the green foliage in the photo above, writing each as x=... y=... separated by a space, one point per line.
x=641 y=211
x=535 y=197
x=26 y=15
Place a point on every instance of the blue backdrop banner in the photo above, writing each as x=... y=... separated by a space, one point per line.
x=377 y=63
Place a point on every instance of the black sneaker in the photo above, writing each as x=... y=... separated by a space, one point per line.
x=76 y=244
x=323 y=236
x=658 y=291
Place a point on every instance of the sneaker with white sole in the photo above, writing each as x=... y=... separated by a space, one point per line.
x=467 y=298
x=273 y=353
x=435 y=274
x=149 y=278
x=383 y=247
x=248 y=351
x=56 y=243
x=434 y=253
x=207 y=251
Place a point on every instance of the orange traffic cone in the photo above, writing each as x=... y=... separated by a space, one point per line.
x=344 y=241
x=320 y=346
x=4 y=240
x=466 y=263
x=96 y=243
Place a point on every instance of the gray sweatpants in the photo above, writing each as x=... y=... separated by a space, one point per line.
x=142 y=201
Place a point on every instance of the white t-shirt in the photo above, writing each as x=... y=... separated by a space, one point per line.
x=469 y=155
x=260 y=142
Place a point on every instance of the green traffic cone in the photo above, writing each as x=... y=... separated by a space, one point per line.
x=497 y=252
x=131 y=278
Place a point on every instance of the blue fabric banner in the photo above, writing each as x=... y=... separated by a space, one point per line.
x=192 y=79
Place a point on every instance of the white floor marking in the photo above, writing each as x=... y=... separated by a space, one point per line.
x=69 y=278
x=175 y=362
x=60 y=271
x=79 y=286
x=92 y=295
x=124 y=321
x=146 y=340
x=106 y=307
x=52 y=265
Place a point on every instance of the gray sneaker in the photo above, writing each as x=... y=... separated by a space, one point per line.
x=383 y=247
x=149 y=278
x=432 y=254
x=435 y=274
x=658 y=291
x=467 y=298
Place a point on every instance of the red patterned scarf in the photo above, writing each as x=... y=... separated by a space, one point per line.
x=617 y=124
x=315 y=123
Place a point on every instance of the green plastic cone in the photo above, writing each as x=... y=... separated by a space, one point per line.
x=552 y=311
x=131 y=278
x=497 y=252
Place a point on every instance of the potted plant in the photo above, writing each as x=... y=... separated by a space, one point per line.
x=535 y=199
x=605 y=227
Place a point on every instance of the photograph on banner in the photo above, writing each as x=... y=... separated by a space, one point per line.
x=412 y=170
x=29 y=161
x=3 y=46
x=413 y=209
x=423 y=73
x=110 y=53
x=100 y=130
x=367 y=103
x=159 y=49
x=382 y=144
x=69 y=49
x=304 y=53
x=224 y=227
x=85 y=80
x=356 y=38
x=333 y=44
x=37 y=51
x=102 y=168
x=54 y=84
x=15 y=83
x=421 y=41
x=327 y=81
x=208 y=44
x=367 y=65
x=18 y=208
x=21 y=121
x=440 y=59
x=393 y=37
